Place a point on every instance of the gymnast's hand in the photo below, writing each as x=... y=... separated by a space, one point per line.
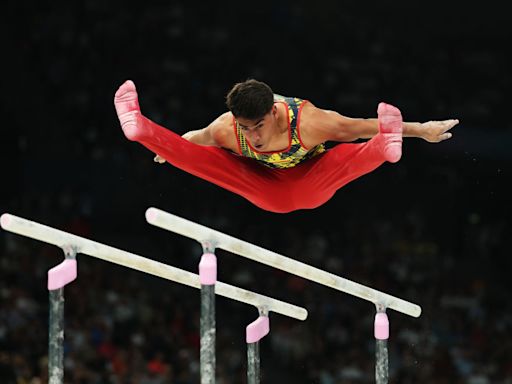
x=159 y=159
x=436 y=131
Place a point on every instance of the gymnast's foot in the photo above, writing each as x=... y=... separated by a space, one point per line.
x=128 y=111
x=390 y=126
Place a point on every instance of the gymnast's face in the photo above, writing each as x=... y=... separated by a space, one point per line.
x=259 y=132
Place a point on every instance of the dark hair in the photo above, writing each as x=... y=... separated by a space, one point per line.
x=251 y=99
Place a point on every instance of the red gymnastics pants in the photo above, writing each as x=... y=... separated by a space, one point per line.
x=305 y=186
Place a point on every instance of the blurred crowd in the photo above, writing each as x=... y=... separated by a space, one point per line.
x=441 y=244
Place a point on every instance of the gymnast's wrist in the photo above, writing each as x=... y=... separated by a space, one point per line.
x=412 y=129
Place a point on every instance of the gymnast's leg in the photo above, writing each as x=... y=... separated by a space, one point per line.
x=258 y=184
x=324 y=175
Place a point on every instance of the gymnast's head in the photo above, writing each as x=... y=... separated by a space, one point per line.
x=252 y=104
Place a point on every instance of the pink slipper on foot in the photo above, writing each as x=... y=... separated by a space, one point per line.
x=128 y=110
x=390 y=127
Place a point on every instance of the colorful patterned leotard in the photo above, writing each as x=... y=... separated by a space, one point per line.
x=295 y=153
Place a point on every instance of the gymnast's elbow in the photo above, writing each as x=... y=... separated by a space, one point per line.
x=199 y=136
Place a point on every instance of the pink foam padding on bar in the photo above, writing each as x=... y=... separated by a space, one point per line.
x=381 y=330
x=208 y=269
x=257 y=330
x=62 y=274
x=4 y=220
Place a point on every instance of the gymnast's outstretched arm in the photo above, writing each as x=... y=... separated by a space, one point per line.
x=320 y=125
x=217 y=134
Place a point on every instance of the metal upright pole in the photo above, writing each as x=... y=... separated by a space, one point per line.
x=381 y=332
x=208 y=278
x=253 y=363
x=254 y=333
x=58 y=277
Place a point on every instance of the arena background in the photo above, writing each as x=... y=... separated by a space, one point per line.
x=433 y=229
